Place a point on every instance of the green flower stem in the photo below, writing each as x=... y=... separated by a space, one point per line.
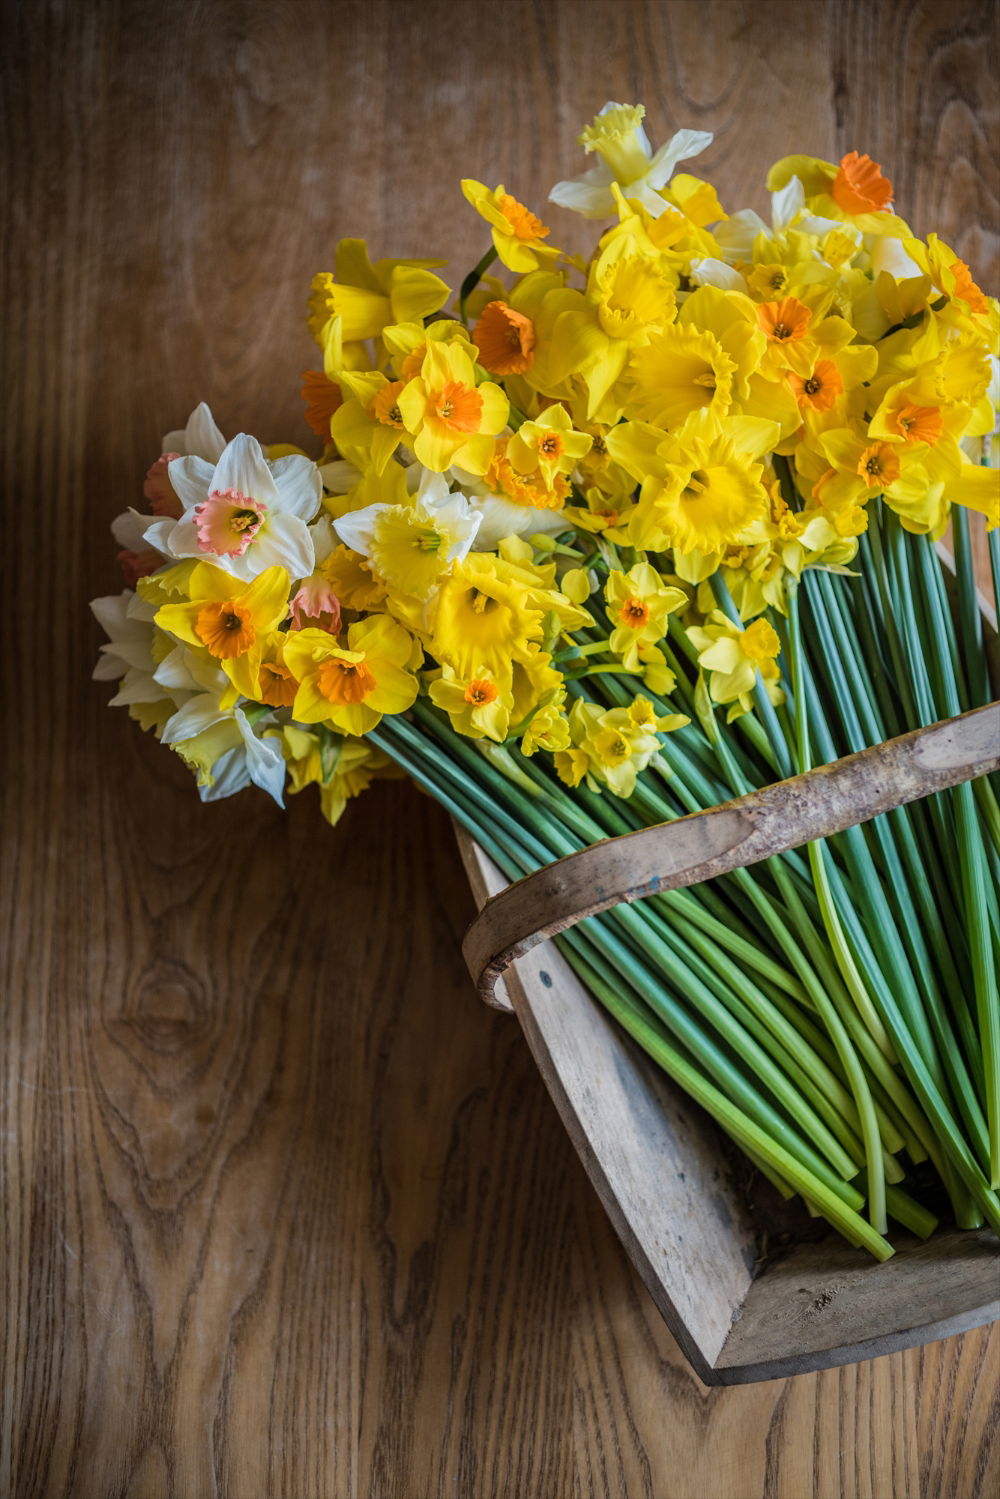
x=917 y=915
x=685 y=915
x=695 y=977
x=472 y=280
x=974 y=874
x=993 y=544
x=818 y=852
x=741 y=1127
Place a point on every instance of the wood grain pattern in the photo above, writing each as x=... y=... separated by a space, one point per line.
x=286 y=1212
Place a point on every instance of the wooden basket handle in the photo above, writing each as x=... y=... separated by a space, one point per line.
x=690 y=849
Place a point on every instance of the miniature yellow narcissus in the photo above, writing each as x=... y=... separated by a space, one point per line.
x=732 y=657
x=638 y=607
x=479 y=706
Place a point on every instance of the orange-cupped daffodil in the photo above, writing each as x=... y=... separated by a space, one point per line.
x=352 y=686
x=450 y=419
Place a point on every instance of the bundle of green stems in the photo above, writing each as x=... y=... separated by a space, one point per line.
x=835 y=1008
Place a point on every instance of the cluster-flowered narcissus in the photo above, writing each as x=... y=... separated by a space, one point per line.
x=541 y=494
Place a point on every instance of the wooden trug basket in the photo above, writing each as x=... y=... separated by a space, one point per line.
x=660 y=1166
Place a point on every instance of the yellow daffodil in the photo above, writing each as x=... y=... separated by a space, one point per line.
x=478 y=706
x=702 y=362
x=368 y=425
x=352 y=580
x=732 y=657
x=452 y=421
x=366 y=297
x=700 y=494
x=518 y=236
x=916 y=480
x=853 y=189
x=549 y=445
x=611 y=746
x=484 y=619
x=352 y=686
x=948 y=274
x=229 y=619
x=547 y=729
x=342 y=767
x=411 y=546
x=530 y=487
x=639 y=606
x=406 y=343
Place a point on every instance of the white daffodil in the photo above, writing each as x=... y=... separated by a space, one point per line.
x=127 y=655
x=737 y=235
x=221 y=744
x=616 y=134
x=412 y=546
x=200 y=438
x=244 y=514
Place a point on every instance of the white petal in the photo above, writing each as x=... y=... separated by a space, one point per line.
x=172 y=672
x=589 y=194
x=736 y=235
x=134 y=653
x=191 y=480
x=127 y=529
x=174 y=442
x=181 y=540
x=500 y=518
x=140 y=609
x=229 y=775
x=243 y=467
x=264 y=760
x=324 y=538
x=432 y=488
x=651 y=202
x=201 y=436
x=811 y=223
x=888 y=255
x=300 y=489
x=137 y=687
x=285 y=542
x=108 y=668
x=339 y=476
x=357 y=528
x=198 y=714
x=709 y=272
x=680 y=147
x=787 y=202
x=158 y=534
x=110 y=612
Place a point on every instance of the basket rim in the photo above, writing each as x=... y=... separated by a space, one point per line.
x=737 y=833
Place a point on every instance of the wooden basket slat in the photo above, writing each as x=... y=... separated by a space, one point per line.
x=705 y=844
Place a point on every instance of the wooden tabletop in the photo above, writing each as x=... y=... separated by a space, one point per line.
x=286 y=1211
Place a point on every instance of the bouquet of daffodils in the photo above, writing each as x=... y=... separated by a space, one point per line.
x=593 y=545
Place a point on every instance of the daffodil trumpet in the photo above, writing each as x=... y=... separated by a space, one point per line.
x=598 y=543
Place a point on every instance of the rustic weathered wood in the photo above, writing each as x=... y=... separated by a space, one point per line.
x=661 y=1169
x=285 y=1211
x=744 y=831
